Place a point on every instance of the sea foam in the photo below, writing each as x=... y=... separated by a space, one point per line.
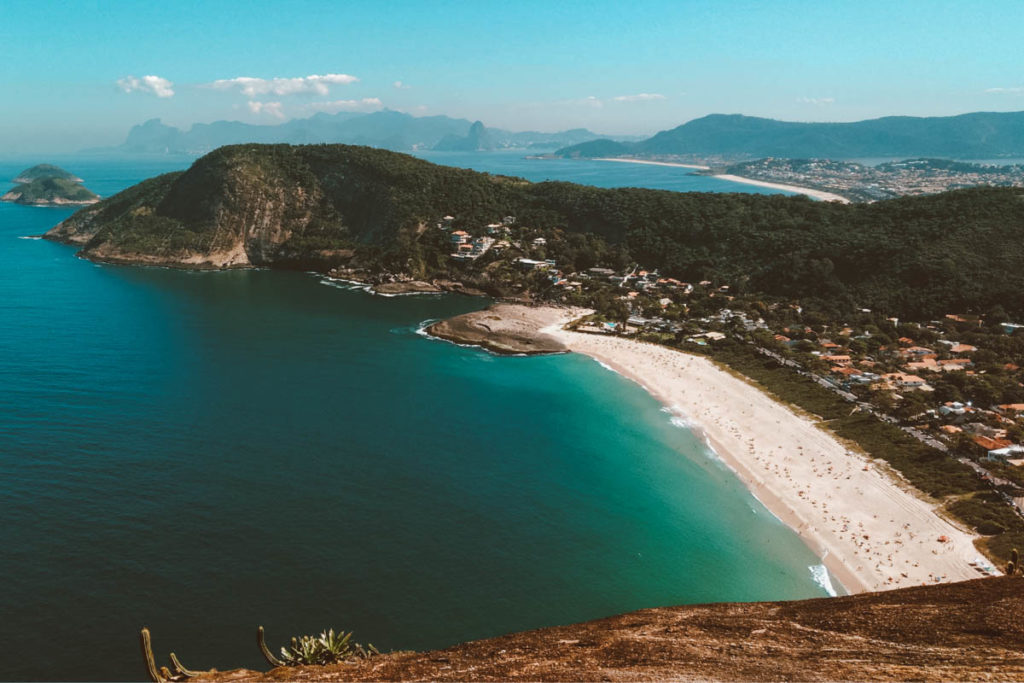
x=821 y=577
x=677 y=419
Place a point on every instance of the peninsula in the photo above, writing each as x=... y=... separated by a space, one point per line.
x=831 y=308
x=385 y=216
x=48 y=185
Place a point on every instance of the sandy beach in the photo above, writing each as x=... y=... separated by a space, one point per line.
x=872 y=532
x=656 y=163
x=813 y=194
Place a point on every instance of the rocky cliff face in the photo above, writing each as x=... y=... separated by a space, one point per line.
x=964 y=631
x=229 y=210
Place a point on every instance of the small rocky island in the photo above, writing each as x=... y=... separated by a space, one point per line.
x=49 y=185
x=507 y=329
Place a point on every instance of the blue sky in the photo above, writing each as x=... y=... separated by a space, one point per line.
x=74 y=73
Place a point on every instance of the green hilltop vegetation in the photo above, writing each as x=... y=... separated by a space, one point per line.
x=54 y=191
x=319 y=206
x=48 y=185
x=45 y=171
x=978 y=135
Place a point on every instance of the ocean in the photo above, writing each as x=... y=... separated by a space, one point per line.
x=591 y=172
x=203 y=453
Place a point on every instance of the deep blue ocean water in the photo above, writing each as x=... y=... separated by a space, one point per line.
x=206 y=452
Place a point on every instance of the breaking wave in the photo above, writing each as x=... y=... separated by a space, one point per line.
x=821 y=577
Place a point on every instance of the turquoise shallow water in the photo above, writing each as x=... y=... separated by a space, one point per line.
x=205 y=452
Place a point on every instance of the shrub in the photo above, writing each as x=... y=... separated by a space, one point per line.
x=327 y=648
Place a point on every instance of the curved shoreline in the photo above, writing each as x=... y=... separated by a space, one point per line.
x=774 y=503
x=820 y=195
x=870 y=532
x=676 y=164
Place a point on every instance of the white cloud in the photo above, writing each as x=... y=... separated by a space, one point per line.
x=254 y=87
x=1015 y=90
x=817 y=101
x=639 y=97
x=161 y=87
x=270 y=108
x=398 y=85
x=365 y=104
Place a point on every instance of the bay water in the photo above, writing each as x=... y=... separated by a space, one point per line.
x=202 y=453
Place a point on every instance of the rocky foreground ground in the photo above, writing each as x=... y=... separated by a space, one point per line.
x=972 y=630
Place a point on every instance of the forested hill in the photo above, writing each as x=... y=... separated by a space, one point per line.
x=979 y=135
x=315 y=206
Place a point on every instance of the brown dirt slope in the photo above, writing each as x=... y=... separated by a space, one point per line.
x=965 y=631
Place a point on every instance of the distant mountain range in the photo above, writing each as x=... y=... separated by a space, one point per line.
x=384 y=129
x=981 y=135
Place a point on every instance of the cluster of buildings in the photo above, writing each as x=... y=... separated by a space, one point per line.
x=986 y=429
x=917 y=367
x=911 y=360
x=650 y=288
x=899 y=369
x=872 y=183
x=467 y=247
x=639 y=280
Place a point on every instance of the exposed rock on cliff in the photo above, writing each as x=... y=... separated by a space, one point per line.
x=505 y=329
x=263 y=205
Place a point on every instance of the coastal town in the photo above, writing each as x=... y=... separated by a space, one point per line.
x=868 y=183
x=948 y=390
x=956 y=378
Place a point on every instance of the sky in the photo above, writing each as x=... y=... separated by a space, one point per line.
x=80 y=74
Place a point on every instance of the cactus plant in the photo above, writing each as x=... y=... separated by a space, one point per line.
x=147 y=656
x=267 y=654
x=176 y=672
x=179 y=670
